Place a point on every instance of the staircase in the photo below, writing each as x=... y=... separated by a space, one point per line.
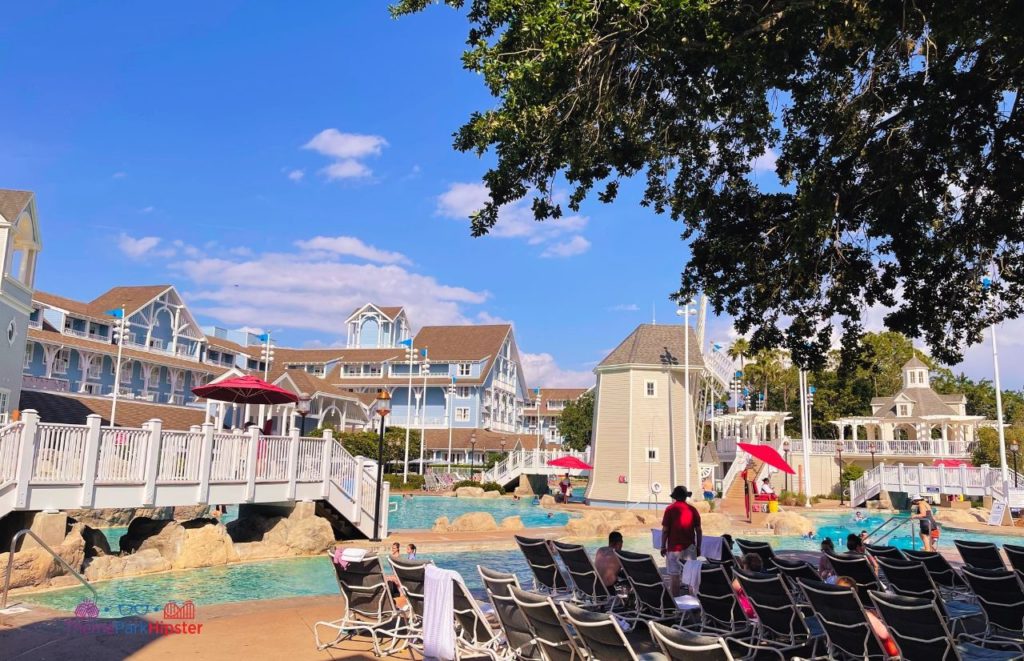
x=733 y=502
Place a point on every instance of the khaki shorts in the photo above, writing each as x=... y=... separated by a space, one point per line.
x=674 y=560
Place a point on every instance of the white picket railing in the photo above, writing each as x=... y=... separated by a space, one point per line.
x=10 y=435
x=519 y=462
x=122 y=455
x=272 y=458
x=898 y=448
x=951 y=481
x=55 y=466
x=180 y=455
x=59 y=453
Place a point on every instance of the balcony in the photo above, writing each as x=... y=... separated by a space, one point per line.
x=929 y=447
x=45 y=383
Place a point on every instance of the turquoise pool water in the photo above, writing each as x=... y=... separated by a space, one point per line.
x=420 y=512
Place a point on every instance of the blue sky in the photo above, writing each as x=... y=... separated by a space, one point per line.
x=281 y=166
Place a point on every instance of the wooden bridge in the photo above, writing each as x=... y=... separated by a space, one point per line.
x=530 y=462
x=57 y=467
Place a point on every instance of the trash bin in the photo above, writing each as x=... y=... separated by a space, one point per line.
x=773 y=506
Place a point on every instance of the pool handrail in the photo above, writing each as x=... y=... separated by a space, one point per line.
x=10 y=564
x=873 y=534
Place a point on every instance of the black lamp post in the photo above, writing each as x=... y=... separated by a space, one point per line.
x=1015 y=449
x=302 y=408
x=472 y=455
x=839 y=453
x=503 y=447
x=872 y=450
x=383 y=408
x=785 y=454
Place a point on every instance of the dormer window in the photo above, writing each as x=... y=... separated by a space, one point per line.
x=465 y=369
x=903 y=410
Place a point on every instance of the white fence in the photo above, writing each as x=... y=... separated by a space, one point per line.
x=934 y=480
x=56 y=466
x=860 y=448
x=530 y=462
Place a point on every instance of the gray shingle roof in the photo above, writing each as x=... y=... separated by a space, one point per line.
x=652 y=344
x=13 y=202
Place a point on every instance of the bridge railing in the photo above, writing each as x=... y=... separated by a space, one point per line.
x=10 y=436
x=898 y=448
x=180 y=454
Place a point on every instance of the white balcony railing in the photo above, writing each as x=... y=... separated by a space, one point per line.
x=45 y=383
x=899 y=448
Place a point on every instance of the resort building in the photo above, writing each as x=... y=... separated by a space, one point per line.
x=19 y=232
x=645 y=418
x=542 y=412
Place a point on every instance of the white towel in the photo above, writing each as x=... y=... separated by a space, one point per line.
x=691 y=575
x=439 y=613
x=711 y=547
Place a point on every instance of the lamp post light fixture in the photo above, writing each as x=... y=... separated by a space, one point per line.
x=785 y=455
x=472 y=455
x=871 y=450
x=119 y=331
x=1015 y=449
x=302 y=408
x=383 y=408
x=839 y=453
x=410 y=352
x=267 y=354
x=685 y=311
x=425 y=371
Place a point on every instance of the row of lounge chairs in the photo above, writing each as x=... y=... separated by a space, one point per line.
x=930 y=610
x=440 y=481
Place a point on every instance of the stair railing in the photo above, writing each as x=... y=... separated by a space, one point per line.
x=42 y=544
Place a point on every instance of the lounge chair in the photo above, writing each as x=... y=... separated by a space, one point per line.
x=980 y=555
x=549 y=632
x=475 y=635
x=546 y=575
x=517 y=630
x=858 y=568
x=909 y=578
x=604 y=640
x=794 y=570
x=920 y=633
x=949 y=580
x=1015 y=554
x=588 y=588
x=763 y=549
x=782 y=623
x=879 y=551
x=842 y=617
x=369 y=608
x=653 y=600
x=683 y=645
x=1001 y=597
x=411 y=576
x=721 y=613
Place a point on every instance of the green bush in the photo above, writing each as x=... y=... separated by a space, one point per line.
x=395 y=480
x=791 y=499
x=465 y=483
x=492 y=486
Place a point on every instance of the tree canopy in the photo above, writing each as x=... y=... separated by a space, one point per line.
x=577 y=420
x=895 y=129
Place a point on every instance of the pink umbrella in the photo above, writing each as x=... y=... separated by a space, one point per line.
x=570 y=462
x=245 y=390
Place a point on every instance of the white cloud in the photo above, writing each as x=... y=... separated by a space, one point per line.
x=347 y=169
x=296 y=175
x=332 y=142
x=484 y=317
x=765 y=162
x=149 y=209
x=625 y=307
x=137 y=248
x=348 y=151
x=515 y=221
x=349 y=245
x=541 y=370
x=577 y=245
x=119 y=175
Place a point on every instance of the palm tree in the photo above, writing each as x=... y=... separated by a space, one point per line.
x=768 y=370
x=739 y=349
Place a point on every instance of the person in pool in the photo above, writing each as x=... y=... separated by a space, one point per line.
x=410 y=551
x=858 y=515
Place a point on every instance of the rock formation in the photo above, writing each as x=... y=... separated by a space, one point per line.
x=468 y=522
x=789 y=523
x=469 y=492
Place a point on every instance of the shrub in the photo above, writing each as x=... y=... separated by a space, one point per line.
x=395 y=480
x=492 y=486
x=791 y=499
x=465 y=483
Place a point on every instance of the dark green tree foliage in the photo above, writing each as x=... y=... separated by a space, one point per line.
x=577 y=421
x=897 y=127
x=364 y=443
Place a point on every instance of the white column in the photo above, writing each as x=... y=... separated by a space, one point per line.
x=205 y=464
x=92 y=452
x=155 y=427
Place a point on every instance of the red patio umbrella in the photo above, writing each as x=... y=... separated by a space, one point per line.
x=951 y=463
x=245 y=390
x=570 y=462
x=768 y=455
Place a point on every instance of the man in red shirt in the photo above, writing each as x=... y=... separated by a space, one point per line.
x=680 y=536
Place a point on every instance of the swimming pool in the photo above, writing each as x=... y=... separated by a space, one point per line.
x=420 y=512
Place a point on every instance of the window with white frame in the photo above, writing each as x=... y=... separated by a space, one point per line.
x=462 y=414
x=464 y=392
x=318 y=370
x=5 y=403
x=30 y=350
x=650 y=389
x=903 y=411
x=652 y=455
x=95 y=370
x=126 y=371
x=465 y=369
x=371 y=369
x=61 y=361
x=156 y=343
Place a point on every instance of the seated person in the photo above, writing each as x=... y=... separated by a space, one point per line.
x=825 y=569
x=751 y=562
x=606 y=562
x=766 y=487
x=855 y=545
x=881 y=632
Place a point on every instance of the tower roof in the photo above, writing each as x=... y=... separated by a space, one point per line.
x=651 y=344
x=915 y=363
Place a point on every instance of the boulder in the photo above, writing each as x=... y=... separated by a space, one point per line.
x=955 y=517
x=440 y=524
x=309 y=536
x=31 y=567
x=491 y=494
x=547 y=500
x=714 y=523
x=95 y=542
x=162 y=534
x=588 y=527
x=469 y=492
x=147 y=561
x=204 y=545
x=300 y=534
x=512 y=523
x=789 y=523
x=470 y=522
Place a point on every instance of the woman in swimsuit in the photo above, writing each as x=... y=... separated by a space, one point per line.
x=922 y=511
